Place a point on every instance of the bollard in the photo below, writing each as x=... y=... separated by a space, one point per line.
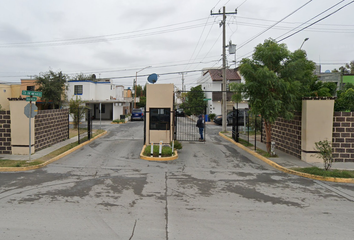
x=160 y=149
x=173 y=145
x=152 y=150
x=272 y=148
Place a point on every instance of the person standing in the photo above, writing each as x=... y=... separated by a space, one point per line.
x=200 y=125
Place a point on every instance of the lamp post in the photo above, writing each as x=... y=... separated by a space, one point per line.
x=303 y=42
x=136 y=83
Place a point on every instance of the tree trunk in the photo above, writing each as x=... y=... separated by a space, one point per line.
x=268 y=130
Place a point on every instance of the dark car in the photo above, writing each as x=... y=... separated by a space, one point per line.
x=137 y=114
x=229 y=120
x=179 y=112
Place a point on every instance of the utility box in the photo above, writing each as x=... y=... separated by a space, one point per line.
x=159 y=113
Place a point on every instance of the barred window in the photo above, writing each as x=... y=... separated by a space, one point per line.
x=78 y=90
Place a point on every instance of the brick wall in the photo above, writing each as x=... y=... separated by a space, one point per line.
x=287 y=135
x=51 y=126
x=5 y=132
x=343 y=137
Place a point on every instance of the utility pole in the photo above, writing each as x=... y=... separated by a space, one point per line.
x=224 y=96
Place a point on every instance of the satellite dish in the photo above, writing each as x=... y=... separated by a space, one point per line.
x=152 y=78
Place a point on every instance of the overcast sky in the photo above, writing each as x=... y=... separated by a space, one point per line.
x=116 y=38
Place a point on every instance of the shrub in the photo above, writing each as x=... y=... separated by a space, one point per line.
x=119 y=121
x=177 y=145
x=324 y=149
x=212 y=116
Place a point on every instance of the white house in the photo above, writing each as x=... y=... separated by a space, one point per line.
x=211 y=82
x=100 y=93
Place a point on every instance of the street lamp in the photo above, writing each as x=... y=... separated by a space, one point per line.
x=303 y=42
x=136 y=83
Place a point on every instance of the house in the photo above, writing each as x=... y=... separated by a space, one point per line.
x=8 y=90
x=102 y=94
x=211 y=82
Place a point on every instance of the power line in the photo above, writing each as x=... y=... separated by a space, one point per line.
x=199 y=41
x=315 y=22
x=311 y=18
x=110 y=37
x=251 y=39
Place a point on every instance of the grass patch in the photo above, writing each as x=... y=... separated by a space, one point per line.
x=119 y=121
x=245 y=143
x=18 y=163
x=329 y=173
x=25 y=163
x=166 y=151
x=73 y=132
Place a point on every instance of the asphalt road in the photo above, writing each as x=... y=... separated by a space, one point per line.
x=212 y=191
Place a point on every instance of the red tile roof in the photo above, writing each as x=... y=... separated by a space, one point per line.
x=216 y=74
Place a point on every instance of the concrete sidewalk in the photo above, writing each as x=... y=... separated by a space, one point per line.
x=40 y=153
x=289 y=161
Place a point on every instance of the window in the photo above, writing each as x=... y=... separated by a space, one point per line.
x=78 y=90
x=30 y=88
x=160 y=119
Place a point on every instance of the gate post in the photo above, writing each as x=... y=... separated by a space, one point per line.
x=89 y=120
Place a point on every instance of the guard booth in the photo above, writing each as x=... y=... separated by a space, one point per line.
x=159 y=113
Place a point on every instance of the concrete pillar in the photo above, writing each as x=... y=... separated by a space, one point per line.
x=20 y=129
x=159 y=96
x=316 y=125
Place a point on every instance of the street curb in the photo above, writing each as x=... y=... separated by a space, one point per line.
x=286 y=170
x=21 y=169
x=161 y=159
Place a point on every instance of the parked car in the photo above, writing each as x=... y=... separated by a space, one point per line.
x=137 y=114
x=229 y=119
x=180 y=112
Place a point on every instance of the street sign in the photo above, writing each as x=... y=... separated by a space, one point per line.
x=31 y=99
x=206 y=99
x=32 y=93
x=33 y=109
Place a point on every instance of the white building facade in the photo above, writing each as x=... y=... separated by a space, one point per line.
x=211 y=82
x=100 y=94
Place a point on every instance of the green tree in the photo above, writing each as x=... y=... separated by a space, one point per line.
x=142 y=102
x=194 y=102
x=52 y=86
x=345 y=101
x=77 y=110
x=139 y=91
x=348 y=68
x=82 y=76
x=275 y=81
x=322 y=89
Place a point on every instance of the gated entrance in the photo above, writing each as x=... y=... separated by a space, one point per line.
x=185 y=121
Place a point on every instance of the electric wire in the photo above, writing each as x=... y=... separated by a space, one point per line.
x=254 y=37
x=315 y=22
x=110 y=37
x=311 y=19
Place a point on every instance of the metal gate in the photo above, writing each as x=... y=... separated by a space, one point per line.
x=185 y=128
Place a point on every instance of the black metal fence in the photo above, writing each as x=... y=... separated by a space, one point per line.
x=84 y=128
x=245 y=125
